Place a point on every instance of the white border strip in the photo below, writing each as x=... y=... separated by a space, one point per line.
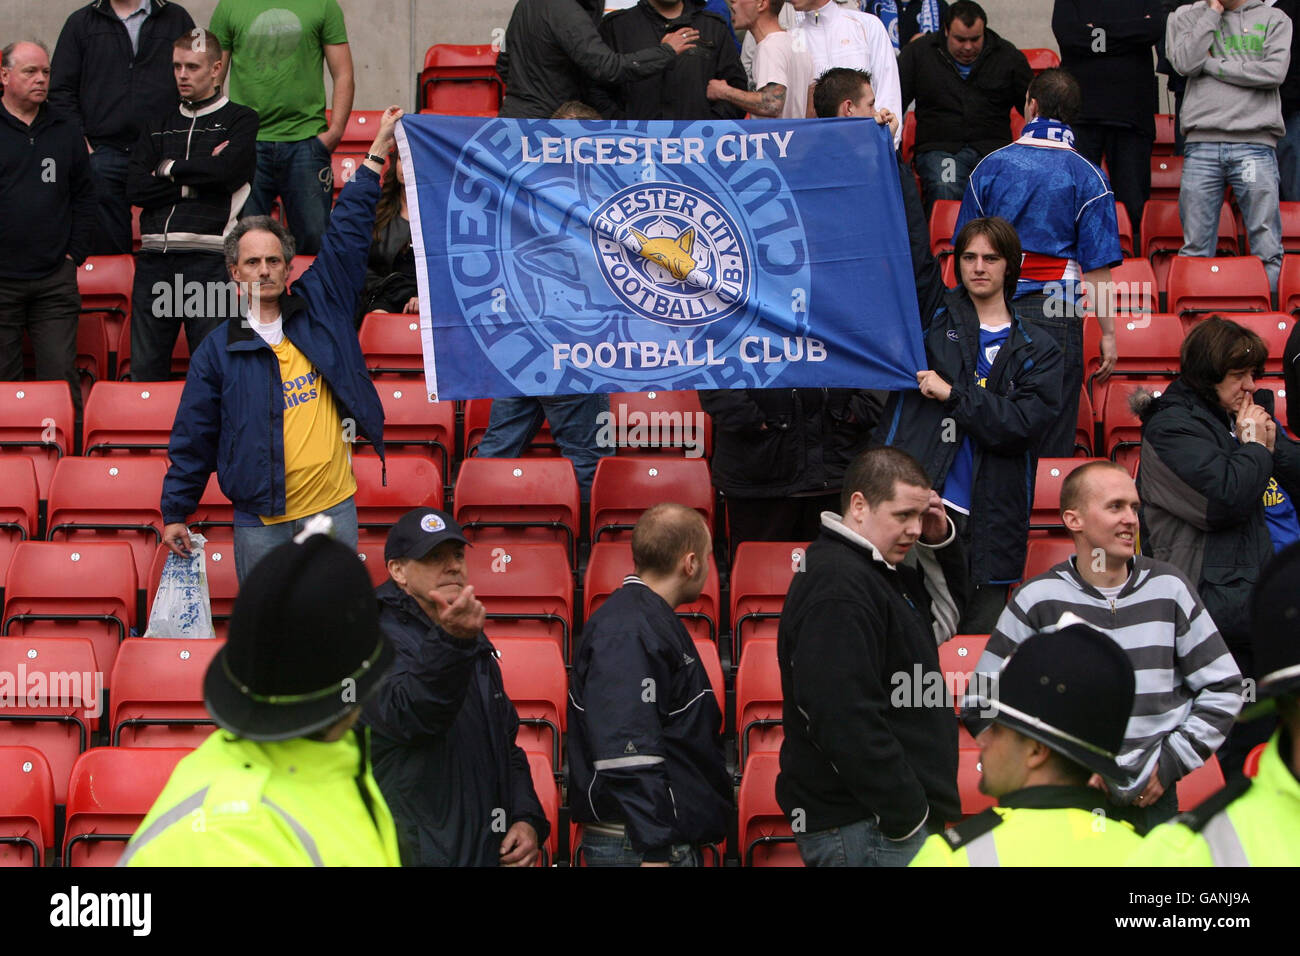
x=410 y=174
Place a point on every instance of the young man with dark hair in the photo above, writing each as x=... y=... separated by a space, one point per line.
x=869 y=769
x=646 y=768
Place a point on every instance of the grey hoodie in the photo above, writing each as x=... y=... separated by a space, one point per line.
x=1234 y=62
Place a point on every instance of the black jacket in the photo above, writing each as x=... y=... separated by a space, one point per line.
x=1202 y=503
x=113 y=92
x=858 y=746
x=644 y=748
x=952 y=113
x=553 y=51
x=47 y=195
x=1005 y=420
x=1106 y=45
x=1291 y=85
x=678 y=93
x=195 y=204
x=390 y=270
x=443 y=743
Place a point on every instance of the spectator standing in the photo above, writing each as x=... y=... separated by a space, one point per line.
x=905 y=20
x=276 y=52
x=190 y=174
x=1235 y=56
x=113 y=73
x=1288 y=147
x=782 y=72
x=47 y=201
x=965 y=80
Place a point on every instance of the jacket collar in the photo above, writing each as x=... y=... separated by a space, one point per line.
x=42 y=118
x=240 y=335
x=191 y=110
x=835 y=525
x=391 y=595
x=1053 y=798
x=1137 y=573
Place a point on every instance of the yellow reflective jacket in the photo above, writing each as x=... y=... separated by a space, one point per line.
x=1247 y=823
x=300 y=802
x=1037 y=826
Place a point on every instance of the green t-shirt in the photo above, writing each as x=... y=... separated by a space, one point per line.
x=277 y=60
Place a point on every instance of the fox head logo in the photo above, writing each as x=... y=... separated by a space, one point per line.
x=673 y=254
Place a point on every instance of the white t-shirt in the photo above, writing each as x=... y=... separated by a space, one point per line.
x=272 y=333
x=778 y=60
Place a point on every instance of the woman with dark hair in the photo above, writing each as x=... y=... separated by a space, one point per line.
x=991 y=392
x=1210 y=450
x=390 y=271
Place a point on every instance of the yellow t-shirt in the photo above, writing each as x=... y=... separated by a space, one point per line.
x=317 y=461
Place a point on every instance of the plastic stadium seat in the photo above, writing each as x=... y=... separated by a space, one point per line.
x=1166 y=177
x=360 y=131
x=1121 y=429
x=538 y=686
x=758 y=700
x=1135 y=288
x=1201 y=784
x=969 y=773
x=1085 y=429
x=943 y=220
x=478 y=412
x=1045 y=553
x=611 y=561
x=548 y=794
x=413 y=482
x=1290 y=226
x=105 y=285
x=1288 y=287
x=660 y=423
x=957 y=659
x=948 y=270
x=72 y=590
x=527 y=590
x=109 y=795
x=1125 y=230
x=709 y=657
x=1273 y=327
x=1017 y=121
x=765 y=835
x=412 y=422
x=1041 y=59
x=109 y=499
x=131 y=418
x=180 y=354
x=1250 y=767
x=1164 y=144
x=1237 y=284
x=214 y=517
x=59 y=718
x=19 y=507
x=371 y=554
x=624 y=487
x=1148 y=344
x=1162 y=235
x=344 y=166
x=37 y=421
x=390 y=342
x=907 y=146
x=761 y=573
x=460 y=80
x=1045 y=515
x=223 y=583
x=26 y=807
x=158 y=692
x=507 y=500
x=300 y=263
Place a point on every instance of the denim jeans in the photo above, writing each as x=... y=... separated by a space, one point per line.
x=1063 y=321
x=254 y=543
x=1252 y=172
x=301 y=175
x=604 y=849
x=111 y=233
x=944 y=175
x=1288 y=160
x=858 y=844
x=574 y=423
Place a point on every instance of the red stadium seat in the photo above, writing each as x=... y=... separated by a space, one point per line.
x=660 y=423
x=109 y=795
x=56 y=709
x=1273 y=327
x=1164 y=144
x=344 y=166
x=72 y=590
x=109 y=499
x=1290 y=226
x=1041 y=59
x=158 y=692
x=1045 y=553
x=969 y=773
x=223 y=583
x=478 y=413
x=1045 y=515
x=712 y=662
x=1134 y=286
x=360 y=132
x=460 y=80
x=957 y=659
x=26 y=807
x=1162 y=235
x=1250 y=767
x=105 y=285
x=19 y=507
x=624 y=487
x=1166 y=177
x=1148 y=345
x=538 y=686
x=1085 y=429
x=761 y=573
x=527 y=590
x=300 y=263
x=948 y=269
x=548 y=795
x=1121 y=429
x=943 y=222
x=1288 y=286
x=758 y=700
x=129 y=418
x=1199 y=785
x=505 y=500
x=214 y=517
x=37 y=421
x=765 y=834
x=391 y=344
x=1017 y=120
x=411 y=421
x=1125 y=230
x=611 y=561
x=907 y=146
x=371 y=554
x=1237 y=284
x=413 y=482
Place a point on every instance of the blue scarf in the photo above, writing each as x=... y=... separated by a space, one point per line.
x=1049 y=129
x=928 y=20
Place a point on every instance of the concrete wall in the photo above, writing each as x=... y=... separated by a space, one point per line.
x=389 y=37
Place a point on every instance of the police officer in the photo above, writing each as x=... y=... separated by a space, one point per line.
x=1253 y=822
x=286 y=781
x=1063 y=701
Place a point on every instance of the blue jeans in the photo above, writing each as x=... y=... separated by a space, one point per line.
x=111 y=233
x=1252 y=172
x=574 y=423
x=254 y=543
x=857 y=844
x=301 y=175
x=1288 y=160
x=944 y=175
x=603 y=849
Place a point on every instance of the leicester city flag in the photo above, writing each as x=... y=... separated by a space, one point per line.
x=566 y=256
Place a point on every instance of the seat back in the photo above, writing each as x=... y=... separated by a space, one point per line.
x=766 y=838
x=943 y=223
x=105 y=283
x=1164 y=144
x=390 y=343
x=1234 y=284
x=660 y=423
x=1045 y=515
x=158 y=692
x=519 y=500
x=1125 y=225
x=215 y=515
x=611 y=562
x=957 y=659
x=37 y=421
x=1134 y=282
x=413 y=482
x=412 y=423
x=110 y=792
x=19 y=507
x=1166 y=177
x=128 y=418
x=1120 y=426
x=26 y=807
x=1046 y=552
x=527 y=590
x=1041 y=59
x=538 y=686
x=759 y=700
x=624 y=487
x=761 y=574
x=460 y=80
x=109 y=499
x=548 y=795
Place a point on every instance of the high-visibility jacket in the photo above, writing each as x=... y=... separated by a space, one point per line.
x=300 y=802
x=1037 y=826
x=1247 y=823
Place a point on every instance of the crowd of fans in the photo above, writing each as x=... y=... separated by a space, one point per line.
x=918 y=500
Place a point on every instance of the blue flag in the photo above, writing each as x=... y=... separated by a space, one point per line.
x=562 y=256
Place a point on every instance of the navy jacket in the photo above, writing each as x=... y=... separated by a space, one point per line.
x=231 y=415
x=644 y=748
x=443 y=743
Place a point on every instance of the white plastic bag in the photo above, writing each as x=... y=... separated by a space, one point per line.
x=181 y=607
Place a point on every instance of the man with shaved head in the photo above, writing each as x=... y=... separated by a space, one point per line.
x=1188 y=686
x=647 y=775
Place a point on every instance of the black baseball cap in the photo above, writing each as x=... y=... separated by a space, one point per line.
x=418 y=532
